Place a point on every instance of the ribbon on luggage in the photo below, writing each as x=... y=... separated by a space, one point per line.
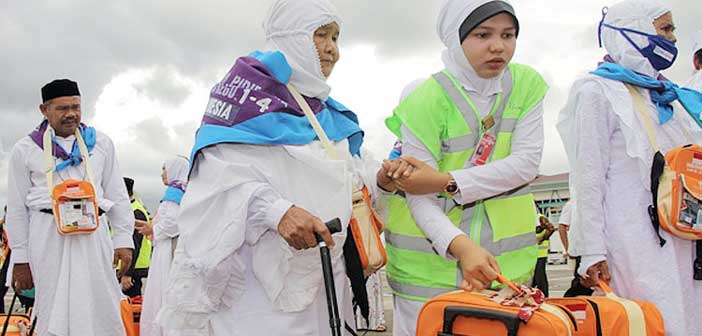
x=528 y=301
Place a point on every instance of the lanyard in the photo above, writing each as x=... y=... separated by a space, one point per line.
x=481 y=120
x=49 y=158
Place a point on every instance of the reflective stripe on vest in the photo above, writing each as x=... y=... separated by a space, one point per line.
x=413 y=291
x=470 y=115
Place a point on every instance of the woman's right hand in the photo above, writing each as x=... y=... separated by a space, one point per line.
x=478 y=266
x=391 y=170
x=596 y=272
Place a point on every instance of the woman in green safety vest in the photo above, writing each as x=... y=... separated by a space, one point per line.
x=474 y=135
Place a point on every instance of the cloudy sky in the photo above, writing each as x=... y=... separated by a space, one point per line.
x=145 y=67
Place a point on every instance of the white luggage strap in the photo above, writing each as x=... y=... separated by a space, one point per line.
x=326 y=143
x=637 y=322
x=558 y=313
x=49 y=158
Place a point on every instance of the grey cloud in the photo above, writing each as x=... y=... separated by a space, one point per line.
x=142 y=159
x=162 y=86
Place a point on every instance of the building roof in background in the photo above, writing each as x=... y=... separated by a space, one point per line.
x=543 y=179
x=551 y=183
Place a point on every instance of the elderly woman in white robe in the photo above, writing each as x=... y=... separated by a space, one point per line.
x=163 y=234
x=695 y=82
x=610 y=159
x=260 y=186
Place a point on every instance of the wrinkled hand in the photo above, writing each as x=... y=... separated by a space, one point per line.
x=298 y=227
x=126 y=282
x=123 y=258
x=22 y=277
x=479 y=267
x=144 y=227
x=596 y=272
x=423 y=180
x=390 y=170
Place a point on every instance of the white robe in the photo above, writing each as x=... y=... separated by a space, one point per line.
x=232 y=273
x=610 y=160
x=77 y=292
x=165 y=233
x=695 y=82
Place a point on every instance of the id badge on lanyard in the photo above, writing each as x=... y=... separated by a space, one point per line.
x=74 y=202
x=485 y=146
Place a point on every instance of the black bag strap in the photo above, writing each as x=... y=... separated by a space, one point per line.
x=656 y=172
x=354 y=271
x=697 y=266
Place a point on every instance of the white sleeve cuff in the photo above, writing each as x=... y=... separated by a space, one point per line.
x=275 y=213
x=444 y=240
x=19 y=256
x=588 y=261
x=119 y=241
x=463 y=182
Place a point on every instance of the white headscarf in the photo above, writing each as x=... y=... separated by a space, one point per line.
x=289 y=27
x=632 y=14
x=451 y=16
x=177 y=169
x=696 y=41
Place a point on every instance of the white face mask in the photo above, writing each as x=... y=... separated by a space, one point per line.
x=634 y=15
x=290 y=27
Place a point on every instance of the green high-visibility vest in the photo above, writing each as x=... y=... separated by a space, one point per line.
x=144 y=258
x=443 y=117
x=544 y=246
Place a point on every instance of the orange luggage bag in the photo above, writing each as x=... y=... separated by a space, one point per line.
x=611 y=315
x=131 y=315
x=15 y=324
x=474 y=314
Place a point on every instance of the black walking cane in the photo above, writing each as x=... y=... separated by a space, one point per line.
x=334 y=226
x=9 y=315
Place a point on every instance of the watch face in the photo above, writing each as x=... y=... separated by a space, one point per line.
x=451 y=188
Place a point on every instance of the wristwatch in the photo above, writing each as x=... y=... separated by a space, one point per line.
x=451 y=187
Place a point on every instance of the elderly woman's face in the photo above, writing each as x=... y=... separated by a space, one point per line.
x=665 y=27
x=325 y=40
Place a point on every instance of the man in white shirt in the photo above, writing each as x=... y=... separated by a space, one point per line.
x=565 y=222
x=77 y=292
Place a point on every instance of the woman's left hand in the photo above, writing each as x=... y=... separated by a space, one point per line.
x=143 y=227
x=423 y=180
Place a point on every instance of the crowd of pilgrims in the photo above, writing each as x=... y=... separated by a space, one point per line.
x=232 y=249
